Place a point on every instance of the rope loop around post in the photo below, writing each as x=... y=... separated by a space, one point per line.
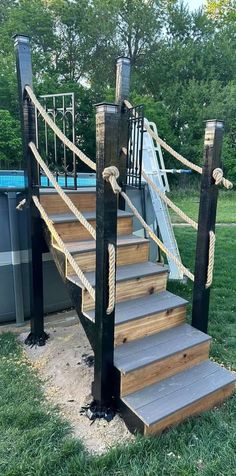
x=211 y=258
x=219 y=178
x=111 y=174
x=112 y=278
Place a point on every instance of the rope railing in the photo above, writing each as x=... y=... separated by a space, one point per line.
x=58 y=131
x=169 y=202
x=61 y=192
x=85 y=223
x=111 y=278
x=66 y=252
x=211 y=258
x=217 y=173
x=111 y=174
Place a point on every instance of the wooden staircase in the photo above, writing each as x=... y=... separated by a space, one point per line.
x=162 y=367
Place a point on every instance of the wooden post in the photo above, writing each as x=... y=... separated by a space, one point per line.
x=31 y=172
x=123 y=68
x=107 y=125
x=206 y=221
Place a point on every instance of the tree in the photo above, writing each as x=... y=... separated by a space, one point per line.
x=10 y=141
x=222 y=9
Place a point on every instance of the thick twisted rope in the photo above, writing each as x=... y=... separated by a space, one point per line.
x=61 y=192
x=57 y=131
x=211 y=258
x=112 y=278
x=110 y=174
x=219 y=178
x=61 y=243
x=169 y=202
x=218 y=172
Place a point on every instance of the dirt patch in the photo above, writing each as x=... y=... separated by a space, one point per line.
x=66 y=365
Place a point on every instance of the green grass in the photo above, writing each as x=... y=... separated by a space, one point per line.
x=226 y=210
x=35 y=441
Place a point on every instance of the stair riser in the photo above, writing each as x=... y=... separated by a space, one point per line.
x=149 y=325
x=72 y=231
x=156 y=371
x=129 y=254
x=196 y=408
x=132 y=288
x=53 y=203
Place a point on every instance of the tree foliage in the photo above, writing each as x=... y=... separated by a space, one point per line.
x=183 y=63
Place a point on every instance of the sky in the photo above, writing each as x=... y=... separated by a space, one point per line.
x=194 y=4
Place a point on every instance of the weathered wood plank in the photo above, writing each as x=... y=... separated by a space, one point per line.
x=70 y=229
x=183 y=396
x=146 y=306
x=84 y=200
x=132 y=287
x=203 y=404
x=162 y=369
x=127 y=254
x=159 y=390
x=134 y=354
x=146 y=326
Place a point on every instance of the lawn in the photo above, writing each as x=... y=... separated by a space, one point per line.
x=35 y=441
x=226 y=210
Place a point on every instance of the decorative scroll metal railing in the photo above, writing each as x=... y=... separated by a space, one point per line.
x=62 y=161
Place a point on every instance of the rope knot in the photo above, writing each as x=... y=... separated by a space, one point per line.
x=219 y=178
x=217 y=175
x=111 y=174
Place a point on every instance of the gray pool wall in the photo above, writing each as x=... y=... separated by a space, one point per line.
x=14 y=266
x=15 y=254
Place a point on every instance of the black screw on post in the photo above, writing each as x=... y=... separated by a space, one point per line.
x=123 y=69
x=107 y=125
x=206 y=221
x=37 y=335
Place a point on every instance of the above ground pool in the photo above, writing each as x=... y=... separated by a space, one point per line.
x=15 y=179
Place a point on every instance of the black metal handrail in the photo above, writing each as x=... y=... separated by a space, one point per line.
x=135 y=146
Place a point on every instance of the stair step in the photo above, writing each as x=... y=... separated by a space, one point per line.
x=69 y=228
x=89 y=215
x=158 y=356
x=189 y=392
x=130 y=249
x=83 y=198
x=133 y=280
x=146 y=315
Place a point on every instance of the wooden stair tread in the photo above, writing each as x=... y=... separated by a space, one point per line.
x=144 y=306
x=123 y=273
x=139 y=353
x=164 y=398
x=90 y=215
x=83 y=246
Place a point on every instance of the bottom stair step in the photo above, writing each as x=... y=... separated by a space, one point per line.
x=170 y=401
x=158 y=356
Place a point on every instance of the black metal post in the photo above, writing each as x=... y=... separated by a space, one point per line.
x=31 y=172
x=123 y=69
x=206 y=221
x=107 y=125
